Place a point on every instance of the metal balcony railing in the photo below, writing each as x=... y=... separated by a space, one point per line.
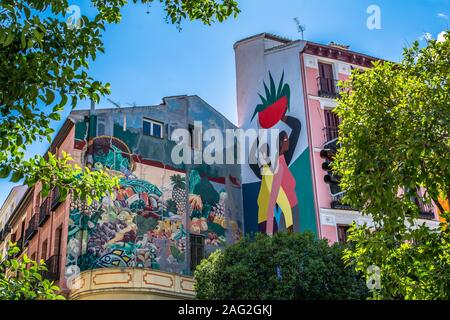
x=55 y=198
x=19 y=244
x=336 y=202
x=52 y=272
x=32 y=228
x=327 y=88
x=426 y=211
x=44 y=211
x=331 y=133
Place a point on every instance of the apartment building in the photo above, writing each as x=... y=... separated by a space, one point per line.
x=292 y=86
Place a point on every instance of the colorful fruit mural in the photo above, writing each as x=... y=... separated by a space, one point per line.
x=146 y=222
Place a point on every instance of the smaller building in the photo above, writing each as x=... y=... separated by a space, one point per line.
x=9 y=205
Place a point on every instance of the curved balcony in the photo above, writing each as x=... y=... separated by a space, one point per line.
x=130 y=284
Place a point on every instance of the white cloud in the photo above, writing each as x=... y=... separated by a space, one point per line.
x=442 y=15
x=440 y=37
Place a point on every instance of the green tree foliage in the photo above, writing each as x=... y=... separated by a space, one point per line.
x=21 y=279
x=285 y=266
x=44 y=65
x=394 y=155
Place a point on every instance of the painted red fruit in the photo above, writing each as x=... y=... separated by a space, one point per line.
x=273 y=113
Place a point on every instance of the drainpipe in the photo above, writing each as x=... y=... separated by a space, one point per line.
x=311 y=147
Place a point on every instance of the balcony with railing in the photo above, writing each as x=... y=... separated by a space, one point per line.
x=32 y=228
x=44 y=212
x=52 y=272
x=336 y=202
x=426 y=211
x=19 y=244
x=328 y=88
x=330 y=133
x=55 y=194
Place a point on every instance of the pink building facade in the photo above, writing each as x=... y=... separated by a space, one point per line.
x=311 y=71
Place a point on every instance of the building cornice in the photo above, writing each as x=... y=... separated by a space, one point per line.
x=20 y=206
x=340 y=54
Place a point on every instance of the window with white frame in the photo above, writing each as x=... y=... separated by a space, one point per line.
x=152 y=128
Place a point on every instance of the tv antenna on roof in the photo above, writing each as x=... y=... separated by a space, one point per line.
x=116 y=104
x=301 y=28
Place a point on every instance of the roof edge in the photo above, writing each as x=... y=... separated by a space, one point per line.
x=263 y=35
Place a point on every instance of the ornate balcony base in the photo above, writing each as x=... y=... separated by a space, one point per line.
x=131 y=284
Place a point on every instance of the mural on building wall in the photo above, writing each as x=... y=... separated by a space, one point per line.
x=139 y=225
x=277 y=198
x=208 y=205
x=146 y=222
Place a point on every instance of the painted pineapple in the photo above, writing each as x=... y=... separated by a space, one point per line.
x=179 y=193
x=218 y=211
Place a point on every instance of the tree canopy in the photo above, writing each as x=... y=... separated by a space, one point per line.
x=44 y=67
x=286 y=266
x=394 y=163
x=21 y=279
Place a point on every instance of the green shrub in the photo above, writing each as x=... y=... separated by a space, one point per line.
x=286 y=266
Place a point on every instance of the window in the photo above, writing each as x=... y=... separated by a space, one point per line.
x=426 y=210
x=342 y=233
x=197 y=245
x=22 y=231
x=326 y=81
x=38 y=202
x=326 y=70
x=332 y=122
x=44 y=250
x=58 y=238
x=152 y=128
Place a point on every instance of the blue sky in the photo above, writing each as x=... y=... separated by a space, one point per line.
x=147 y=59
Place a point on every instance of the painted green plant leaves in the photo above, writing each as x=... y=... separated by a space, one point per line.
x=274 y=105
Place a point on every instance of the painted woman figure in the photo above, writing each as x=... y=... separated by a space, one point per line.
x=277 y=196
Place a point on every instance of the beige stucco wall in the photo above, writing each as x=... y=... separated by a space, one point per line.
x=130 y=284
